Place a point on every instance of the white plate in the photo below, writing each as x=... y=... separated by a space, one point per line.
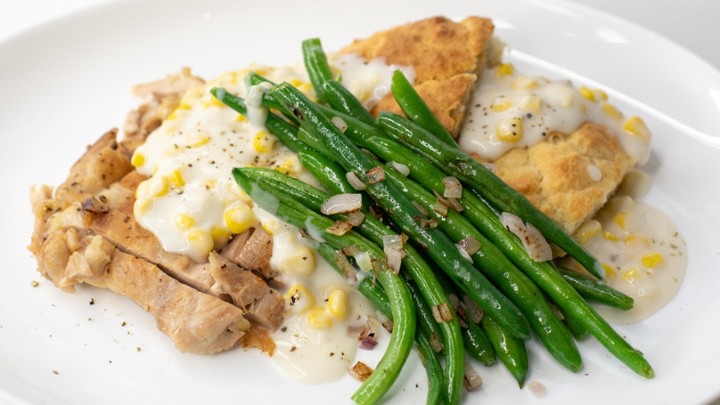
x=63 y=84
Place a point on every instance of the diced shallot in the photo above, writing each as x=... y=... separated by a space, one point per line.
x=354 y=181
x=393 y=248
x=533 y=241
x=401 y=168
x=470 y=245
x=339 y=228
x=361 y=371
x=339 y=123
x=340 y=203
x=375 y=175
x=472 y=379
x=355 y=218
x=453 y=187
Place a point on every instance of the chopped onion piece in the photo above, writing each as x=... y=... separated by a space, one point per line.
x=533 y=241
x=361 y=371
x=472 y=379
x=538 y=389
x=339 y=228
x=442 y=313
x=375 y=175
x=455 y=204
x=473 y=310
x=343 y=264
x=420 y=208
x=453 y=187
x=463 y=253
x=401 y=168
x=436 y=343
x=341 y=203
x=364 y=261
x=440 y=208
x=355 y=218
x=339 y=123
x=354 y=181
x=470 y=245
x=393 y=248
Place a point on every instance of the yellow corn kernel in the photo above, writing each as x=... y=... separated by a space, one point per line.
x=621 y=219
x=601 y=94
x=510 y=130
x=157 y=186
x=299 y=299
x=240 y=118
x=610 y=236
x=183 y=222
x=318 y=318
x=301 y=261
x=587 y=93
x=500 y=104
x=531 y=103
x=629 y=275
x=289 y=166
x=200 y=141
x=263 y=142
x=652 y=259
x=296 y=82
x=338 y=304
x=307 y=88
x=238 y=218
x=611 y=111
x=524 y=83
x=504 y=69
x=138 y=159
x=636 y=126
x=588 y=230
x=609 y=271
x=142 y=206
x=177 y=179
x=201 y=240
x=220 y=235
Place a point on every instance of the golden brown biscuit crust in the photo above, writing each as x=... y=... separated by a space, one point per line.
x=447 y=58
x=557 y=175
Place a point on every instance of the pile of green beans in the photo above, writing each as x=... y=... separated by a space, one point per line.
x=518 y=297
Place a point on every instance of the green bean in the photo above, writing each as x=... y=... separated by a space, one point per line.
x=461 y=165
x=433 y=368
x=596 y=291
x=316 y=65
x=415 y=108
x=403 y=212
x=510 y=350
x=426 y=320
x=404 y=320
x=477 y=344
x=498 y=268
x=341 y=99
x=414 y=265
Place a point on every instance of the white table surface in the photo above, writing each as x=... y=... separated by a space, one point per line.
x=690 y=23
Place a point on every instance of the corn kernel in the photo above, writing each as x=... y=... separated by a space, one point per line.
x=610 y=236
x=183 y=222
x=299 y=299
x=629 y=275
x=601 y=94
x=621 y=219
x=296 y=83
x=301 y=261
x=239 y=218
x=587 y=93
x=318 y=318
x=500 y=104
x=504 y=69
x=201 y=240
x=263 y=142
x=636 y=126
x=609 y=271
x=156 y=186
x=652 y=259
x=338 y=304
x=138 y=159
x=142 y=206
x=588 y=230
x=200 y=141
x=220 y=235
x=240 y=118
x=270 y=226
x=177 y=179
x=611 y=111
x=510 y=130
x=524 y=83
x=531 y=103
